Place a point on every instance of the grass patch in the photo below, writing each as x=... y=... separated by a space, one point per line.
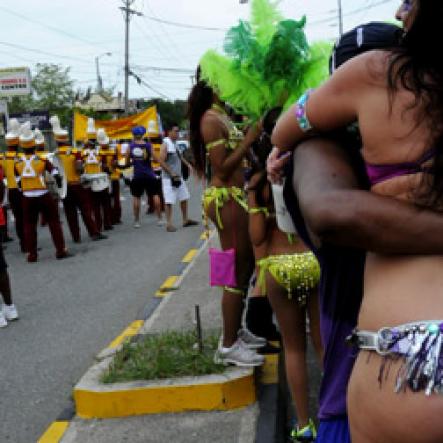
x=167 y=355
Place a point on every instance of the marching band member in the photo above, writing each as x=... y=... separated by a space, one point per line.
x=14 y=193
x=112 y=158
x=77 y=198
x=93 y=166
x=31 y=168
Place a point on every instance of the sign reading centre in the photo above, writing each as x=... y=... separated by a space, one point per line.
x=15 y=81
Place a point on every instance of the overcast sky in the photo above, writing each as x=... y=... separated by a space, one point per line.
x=73 y=32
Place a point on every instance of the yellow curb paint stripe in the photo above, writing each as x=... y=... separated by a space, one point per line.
x=161 y=293
x=189 y=256
x=269 y=370
x=226 y=395
x=169 y=283
x=131 y=330
x=54 y=432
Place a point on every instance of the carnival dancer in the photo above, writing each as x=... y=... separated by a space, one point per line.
x=30 y=168
x=14 y=192
x=77 y=198
x=214 y=136
x=140 y=155
x=113 y=156
x=93 y=169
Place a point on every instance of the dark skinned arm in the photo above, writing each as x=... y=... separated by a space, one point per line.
x=337 y=211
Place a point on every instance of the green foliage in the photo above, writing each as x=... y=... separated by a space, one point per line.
x=166 y=355
x=52 y=90
x=171 y=112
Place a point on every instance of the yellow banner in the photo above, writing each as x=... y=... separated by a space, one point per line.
x=121 y=128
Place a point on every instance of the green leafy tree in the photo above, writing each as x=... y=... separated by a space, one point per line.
x=170 y=112
x=51 y=90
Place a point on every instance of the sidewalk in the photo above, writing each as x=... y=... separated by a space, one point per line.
x=176 y=311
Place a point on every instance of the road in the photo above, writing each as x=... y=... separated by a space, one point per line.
x=71 y=309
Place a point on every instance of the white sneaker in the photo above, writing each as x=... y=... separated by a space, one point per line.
x=137 y=225
x=3 y=322
x=251 y=340
x=10 y=312
x=238 y=354
x=161 y=222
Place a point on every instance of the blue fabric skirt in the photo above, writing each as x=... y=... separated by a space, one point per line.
x=334 y=431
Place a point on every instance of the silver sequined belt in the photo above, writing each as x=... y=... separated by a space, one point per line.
x=396 y=339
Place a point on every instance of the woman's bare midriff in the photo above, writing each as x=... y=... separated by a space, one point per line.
x=397 y=290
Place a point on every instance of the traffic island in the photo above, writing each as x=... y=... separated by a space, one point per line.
x=232 y=389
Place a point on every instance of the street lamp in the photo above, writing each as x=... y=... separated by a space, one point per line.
x=99 y=79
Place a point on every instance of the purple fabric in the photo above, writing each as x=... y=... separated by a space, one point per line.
x=141 y=154
x=380 y=173
x=334 y=431
x=340 y=294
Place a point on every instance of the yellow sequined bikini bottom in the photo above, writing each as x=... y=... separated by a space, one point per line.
x=220 y=196
x=297 y=273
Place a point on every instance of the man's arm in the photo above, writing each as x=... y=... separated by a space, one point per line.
x=337 y=211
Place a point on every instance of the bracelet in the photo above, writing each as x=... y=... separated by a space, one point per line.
x=300 y=112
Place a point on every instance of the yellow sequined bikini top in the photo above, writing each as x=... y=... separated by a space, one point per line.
x=235 y=135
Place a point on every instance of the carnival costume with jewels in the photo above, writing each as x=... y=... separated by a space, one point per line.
x=77 y=199
x=30 y=168
x=268 y=63
x=14 y=192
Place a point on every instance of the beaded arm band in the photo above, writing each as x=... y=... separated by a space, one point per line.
x=300 y=112
x=259 y=210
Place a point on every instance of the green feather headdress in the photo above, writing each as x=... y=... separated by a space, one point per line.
x=268 y=62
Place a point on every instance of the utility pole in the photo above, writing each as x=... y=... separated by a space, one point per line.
x=340 y=19
x=127 y=12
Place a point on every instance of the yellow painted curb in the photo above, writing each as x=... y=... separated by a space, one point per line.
x=230 y=394
x=54 y=433
x=269 y=370
x=168 y=284
x=189 y=256
x=131 y=330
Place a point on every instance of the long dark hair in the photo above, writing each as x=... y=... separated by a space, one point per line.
x=417 y=66
x=200 y=100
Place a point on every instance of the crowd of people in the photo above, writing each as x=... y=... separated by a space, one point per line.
x=86 y=181
x=359 y=159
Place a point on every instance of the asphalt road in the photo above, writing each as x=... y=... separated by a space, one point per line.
x=71 y=309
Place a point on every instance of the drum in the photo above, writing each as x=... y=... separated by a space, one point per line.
x=99 y=182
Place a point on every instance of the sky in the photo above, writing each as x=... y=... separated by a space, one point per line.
x=166 y=41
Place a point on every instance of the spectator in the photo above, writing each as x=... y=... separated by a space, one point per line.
x=174 y=186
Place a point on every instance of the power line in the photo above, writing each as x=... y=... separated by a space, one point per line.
x=355 y=11
x=185 y=25
x=159 y=68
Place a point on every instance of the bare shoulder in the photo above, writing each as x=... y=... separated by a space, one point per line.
x=367 y=67
x=212 y=126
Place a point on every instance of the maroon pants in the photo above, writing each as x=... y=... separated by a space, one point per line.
x=102 y=209
x=78 y=198
x=45 y=204
x=15 y=202
x=116 y=208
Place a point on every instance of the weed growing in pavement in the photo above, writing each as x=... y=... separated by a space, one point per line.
x=166 y=355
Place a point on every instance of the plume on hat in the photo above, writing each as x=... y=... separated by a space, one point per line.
x=102 y=138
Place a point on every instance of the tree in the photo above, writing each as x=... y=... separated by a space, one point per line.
x=51 y=90
x=170 y=112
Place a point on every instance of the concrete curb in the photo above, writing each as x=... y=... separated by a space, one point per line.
x=55 y=431
x=233 y=389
